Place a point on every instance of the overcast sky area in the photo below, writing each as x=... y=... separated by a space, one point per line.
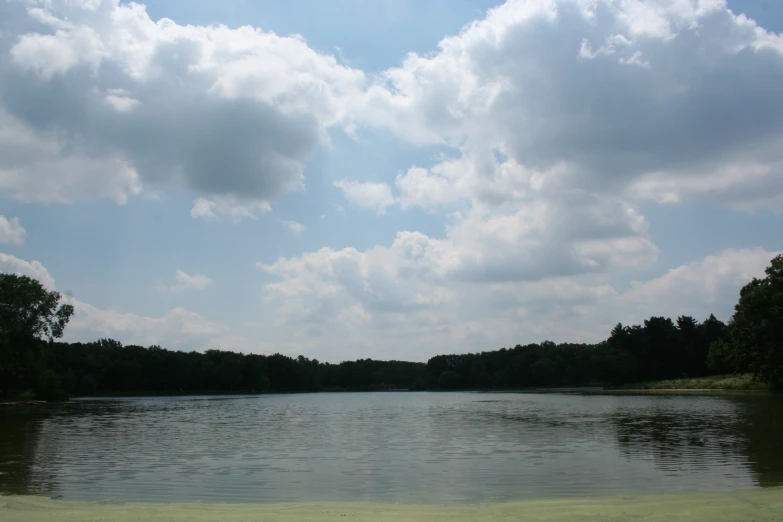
x=390 y=179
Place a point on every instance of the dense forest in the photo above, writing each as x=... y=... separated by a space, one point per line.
x=34 y=364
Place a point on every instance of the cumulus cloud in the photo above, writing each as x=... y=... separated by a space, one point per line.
x=228 y=112
x=556 y=122
x=630 y=97
x=418 y=272
x=560 y=119
x=375 y=196
x=11 y=231
x=618 y=93
x=337 y=299
x=186 y=281
x=40 y=167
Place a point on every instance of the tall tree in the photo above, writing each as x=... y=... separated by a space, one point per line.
x=756 y=329
x=29 y=314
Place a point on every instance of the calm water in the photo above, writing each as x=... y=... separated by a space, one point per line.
x=397 y=447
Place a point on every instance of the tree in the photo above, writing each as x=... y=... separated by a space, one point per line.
x=28 y=310
x=719 y=358
x=449 y=380
x=264 y=383
x=756 y=329
x=29 y=314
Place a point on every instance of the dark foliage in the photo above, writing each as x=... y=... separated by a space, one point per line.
x=106 y=366
x=30 y=316
x=658 y=349
x=755 y=334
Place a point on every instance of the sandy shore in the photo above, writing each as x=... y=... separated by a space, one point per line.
x=757 y=505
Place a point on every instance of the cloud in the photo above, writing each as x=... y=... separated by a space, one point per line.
x=632 y=98
x=628 y=98
x=333 y=301
x=232 y=208
x=186 y=282
x=13 y=265
x=41 y=167
x=121 y=101
x=176 y=329
x=375 y=196
x=714 y=280
x=11 y=232
x=617 y=93
x=551 y=124
x=339 y=299
x=555 y=123
x=293 y=226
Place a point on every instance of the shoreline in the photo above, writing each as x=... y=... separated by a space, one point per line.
x=758 y=504
x=8 y=404
x=588 y=390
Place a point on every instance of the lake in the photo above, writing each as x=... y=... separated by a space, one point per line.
x=391 y=447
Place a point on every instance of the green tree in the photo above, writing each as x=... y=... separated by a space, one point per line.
x=756 y=329
x=719 y=358
x=264 y=383
x=29 y=314
x=27 y=309
x=449 y=380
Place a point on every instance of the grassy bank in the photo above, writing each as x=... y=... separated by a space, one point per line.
x=714 y=382
x=759 y=505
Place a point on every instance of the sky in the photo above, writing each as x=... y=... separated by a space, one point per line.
x=388 y=179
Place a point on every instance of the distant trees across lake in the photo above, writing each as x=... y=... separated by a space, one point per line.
x=33 y=364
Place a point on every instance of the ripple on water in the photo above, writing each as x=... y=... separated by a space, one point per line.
x=394 y=447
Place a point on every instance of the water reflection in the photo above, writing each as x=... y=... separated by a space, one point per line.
x=20 y=468
x=394 y=447
x=729 y=434
x=760 y=431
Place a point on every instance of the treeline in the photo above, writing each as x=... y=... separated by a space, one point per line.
x=658 y=349
x=33 y=364
x=106 y=366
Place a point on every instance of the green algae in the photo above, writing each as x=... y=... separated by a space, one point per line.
x=756 y=505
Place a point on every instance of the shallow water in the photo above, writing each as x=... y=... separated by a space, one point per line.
x=391 y=447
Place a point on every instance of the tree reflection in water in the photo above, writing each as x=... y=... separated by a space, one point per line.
x=21 y=470
x=748 y=436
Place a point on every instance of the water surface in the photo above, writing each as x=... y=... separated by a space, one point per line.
x=391 y=447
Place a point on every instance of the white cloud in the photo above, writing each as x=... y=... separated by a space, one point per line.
x=185 y=282
x=339 y=299
x=176 y=329
x=715 y=279
x=617 y=93
x=116 y=95
x=333 y=301
x=555 y=121
x=13 y=265
x=293 y=226
x=563 y=117
x=40 y=166
x=11 y=232
x=229 y=207
x=375 y=196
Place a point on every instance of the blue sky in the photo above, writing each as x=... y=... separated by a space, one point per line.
x=401 y=179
